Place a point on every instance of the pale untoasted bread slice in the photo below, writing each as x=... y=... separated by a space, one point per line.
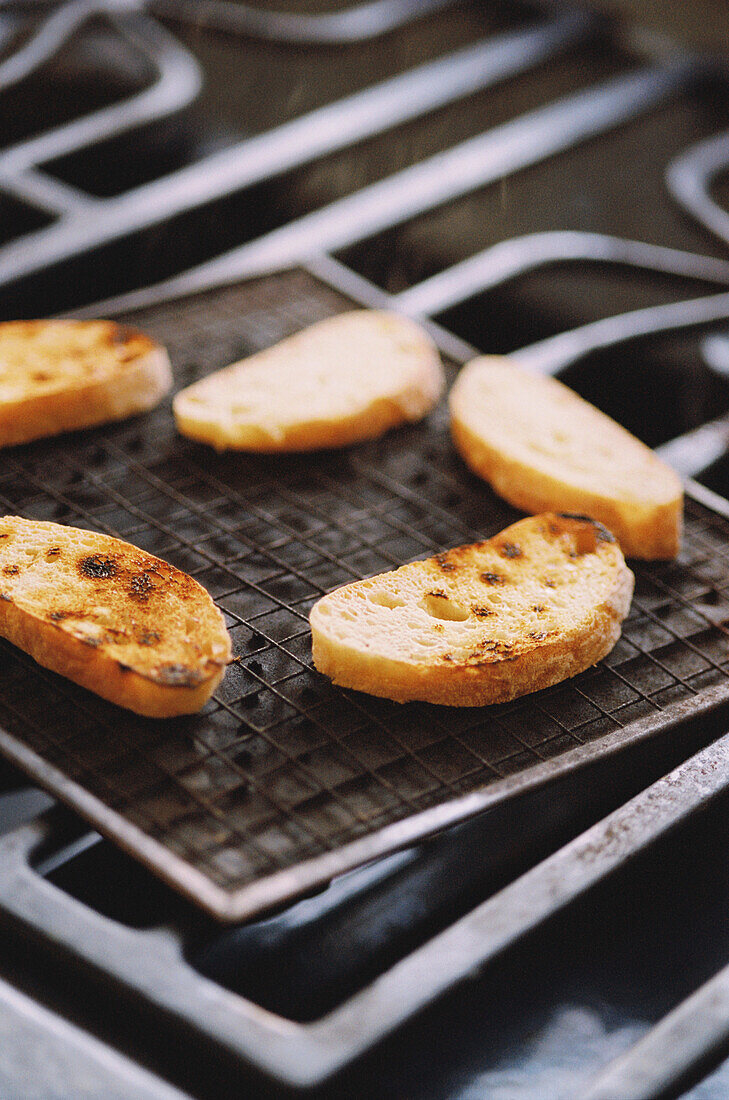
x=57 y=376
x=480 y=624
x=340 y=381
x=110 y=617
x=543 y=448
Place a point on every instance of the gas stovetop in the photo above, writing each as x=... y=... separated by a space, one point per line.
x=533 y=180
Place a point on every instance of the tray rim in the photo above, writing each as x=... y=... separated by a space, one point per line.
x=151 y=964
x=272 y=890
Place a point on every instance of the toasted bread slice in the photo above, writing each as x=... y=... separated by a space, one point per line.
x=340 y=381
x=543 y=448
x=56 y=376
x=480 y=624
x=110 y=617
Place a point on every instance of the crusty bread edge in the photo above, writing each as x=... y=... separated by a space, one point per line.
x=655 y=535
x=547 y=663
x=139 y=387
x=91 y=668
x=383 y=413
x=316 y=435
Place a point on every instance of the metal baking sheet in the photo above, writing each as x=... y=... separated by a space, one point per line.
x=284 y=780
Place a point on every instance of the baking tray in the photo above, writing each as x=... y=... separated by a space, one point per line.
x=283 y=780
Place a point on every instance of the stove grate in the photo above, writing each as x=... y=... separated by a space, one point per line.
x=282 y=768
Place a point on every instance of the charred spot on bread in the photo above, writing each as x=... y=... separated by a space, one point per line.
x=443 y=562
x=118 y=334
x=140 y=585
x=492 y=578
x=491 y=651
x=601 y=531
x=60 y=375
x=507 y=633
x=178 y=675
x=98 y=567
x=77 y=617
x=121 y=336
x=11 y=570
x=585 y=533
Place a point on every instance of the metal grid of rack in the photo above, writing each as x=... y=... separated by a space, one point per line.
x=281 y=767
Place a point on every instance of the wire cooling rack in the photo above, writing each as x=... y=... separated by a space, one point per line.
x=283 y=779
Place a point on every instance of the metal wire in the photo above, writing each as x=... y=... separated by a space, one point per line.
x=281 y=766
x=358 y=23
x=84 y=222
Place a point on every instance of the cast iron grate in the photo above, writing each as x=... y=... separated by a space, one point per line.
x=281 y=767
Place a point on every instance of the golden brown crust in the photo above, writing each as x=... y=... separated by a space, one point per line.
x=110 y=617
x=480 y=624
x=655 y=536
x=58 y=376
x=542 y=447
x=315 y=435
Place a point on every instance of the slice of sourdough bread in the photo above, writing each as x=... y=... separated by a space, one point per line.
x=57 y=376
x=110 y=617
x=543 y=448
x=480 y=624
x=340 y=381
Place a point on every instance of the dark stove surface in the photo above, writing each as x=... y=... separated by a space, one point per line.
x=536 y=1027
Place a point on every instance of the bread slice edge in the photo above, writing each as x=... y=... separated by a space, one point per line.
x=140 y=387
x=653 y=534
x=101 y=674
x=498 y=680
x=176 y=680
x=418 y=395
